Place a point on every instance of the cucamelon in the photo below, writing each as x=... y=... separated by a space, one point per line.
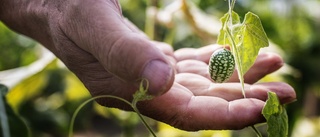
x=221 y=65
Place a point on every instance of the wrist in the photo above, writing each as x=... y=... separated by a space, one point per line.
x=4 y=6
x=28 y=17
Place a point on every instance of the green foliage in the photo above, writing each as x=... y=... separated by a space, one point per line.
x=11 y=123
x=16 y=50
x=276 y=116
x=31 y=87
x=3 y=115
x=142 y=95
x=245 y=39
x=253 y=38
x=294 y=27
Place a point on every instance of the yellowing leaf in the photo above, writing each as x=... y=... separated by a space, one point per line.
x=245 y=40
x=276 y=116
x=223 y=36
x=11 y=123
x=253 y=39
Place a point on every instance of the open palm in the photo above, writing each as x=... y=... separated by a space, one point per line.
x=195 y=102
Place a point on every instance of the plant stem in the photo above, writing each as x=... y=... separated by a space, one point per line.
x=230 y=13
x=227 y=28
x=4 y=118
x=256 y=131
x=141 y=95
x=238 y=63
x=86 y=102
x=235 y=52
x=134 y=106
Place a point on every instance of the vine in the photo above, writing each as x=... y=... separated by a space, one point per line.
x=245 y=39
x=140 y=95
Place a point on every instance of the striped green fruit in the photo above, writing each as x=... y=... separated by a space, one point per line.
x=221 y=65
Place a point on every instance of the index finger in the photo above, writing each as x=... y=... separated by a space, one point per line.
x=202 y=54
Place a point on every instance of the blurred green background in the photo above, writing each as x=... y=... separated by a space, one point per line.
x=43 y=94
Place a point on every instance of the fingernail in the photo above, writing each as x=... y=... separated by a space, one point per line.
x=160 y=76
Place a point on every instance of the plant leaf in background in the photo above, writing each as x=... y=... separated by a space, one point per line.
x=276 y=116
x=30 y=87
x=11 y=124
x=165 y=130
x=3 y=115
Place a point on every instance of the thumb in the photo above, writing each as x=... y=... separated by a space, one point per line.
x=132 y=57
x=99 y=29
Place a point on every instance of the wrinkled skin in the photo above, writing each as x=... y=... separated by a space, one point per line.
x=110 y=56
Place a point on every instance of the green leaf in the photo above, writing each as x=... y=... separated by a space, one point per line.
x=276 y=116
x=142 y=94
x=251 y=37
x=11 y=123
x=222 y=37
x=245 y=40
x=3 y=114
x=248 y=37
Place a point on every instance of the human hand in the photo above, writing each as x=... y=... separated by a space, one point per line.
x=107 y=53
x=195 y=102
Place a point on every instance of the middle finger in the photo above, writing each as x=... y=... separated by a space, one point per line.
x=201 y=86
x=266 y=63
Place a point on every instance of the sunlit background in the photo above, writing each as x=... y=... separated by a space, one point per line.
x=43 y=94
